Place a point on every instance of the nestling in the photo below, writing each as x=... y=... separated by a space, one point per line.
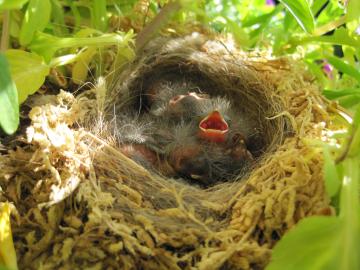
x=189 y=133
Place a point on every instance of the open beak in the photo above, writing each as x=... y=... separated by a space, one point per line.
x=213 y=128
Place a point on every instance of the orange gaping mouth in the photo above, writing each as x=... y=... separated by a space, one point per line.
x=213 y=127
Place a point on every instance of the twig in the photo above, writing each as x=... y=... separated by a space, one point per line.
x=329 y=26
x=163 y=16
x=5 y=31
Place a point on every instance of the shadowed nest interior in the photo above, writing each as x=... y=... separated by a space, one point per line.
x=80 y=203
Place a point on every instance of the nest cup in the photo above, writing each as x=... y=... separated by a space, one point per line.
x=119 y=215
x=210 y=67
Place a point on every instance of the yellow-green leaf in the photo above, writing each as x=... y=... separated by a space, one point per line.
x=11 y=4
x=81 y=67
x=332 y=181
x=36 y=18
x=301 y=11
x=7 y=250
x=28 y=71
x=352 y=10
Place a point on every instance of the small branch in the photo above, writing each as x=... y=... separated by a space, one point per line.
x=5 y=31
x=329 y=26
x=164 y=15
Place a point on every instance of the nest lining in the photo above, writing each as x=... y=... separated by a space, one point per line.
x=216 y=73
x=82 y=204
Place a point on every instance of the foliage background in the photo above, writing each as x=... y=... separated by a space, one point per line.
x=53 y=44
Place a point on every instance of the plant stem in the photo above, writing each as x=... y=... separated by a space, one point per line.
x=329 y=26
x=163 y=16
x=5 y=31
x=350 y=212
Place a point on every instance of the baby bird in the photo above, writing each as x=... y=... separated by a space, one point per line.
x=189 y=133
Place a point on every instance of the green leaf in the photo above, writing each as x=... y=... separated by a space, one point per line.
x=11 y=4
x=354 y=149
x=28 y=71
x=329 y=12
x=301 y=11
x=81 y=68
x=316 y=243
x=349 y=242
x=46 y=45
x=349 y=102
x=317 y=71
x=123 y=56
x=317 y=6
x=75 y=13
x=341 y=37
x=311 y=245
x=332 y=182
x=337 y=93
x=344 y=67
x=240 y=36
x=98 y=15
x=9 y=106
x=325 y=243
x=356 y=118
x=57 y=13
x=36 y=18
x=289 y=22
x=262 y=19
x=352 y=10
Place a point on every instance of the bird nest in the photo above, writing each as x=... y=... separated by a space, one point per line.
x=82 y=204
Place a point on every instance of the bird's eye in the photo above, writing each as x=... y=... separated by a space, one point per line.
x=238 y=138
x=227 y=119
x=176 y=99
x=203 y=95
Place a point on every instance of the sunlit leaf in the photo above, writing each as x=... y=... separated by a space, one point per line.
x=352 y=10
x=12 y=4
x=9 y=105
x=7 y=250
x=63 y=60
x=46 y=45
x=28 y=71
x=329 y=12
x=301 y=11
x=316 y=243
x=341 y=37
x=36 y=18
x=311 y=245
